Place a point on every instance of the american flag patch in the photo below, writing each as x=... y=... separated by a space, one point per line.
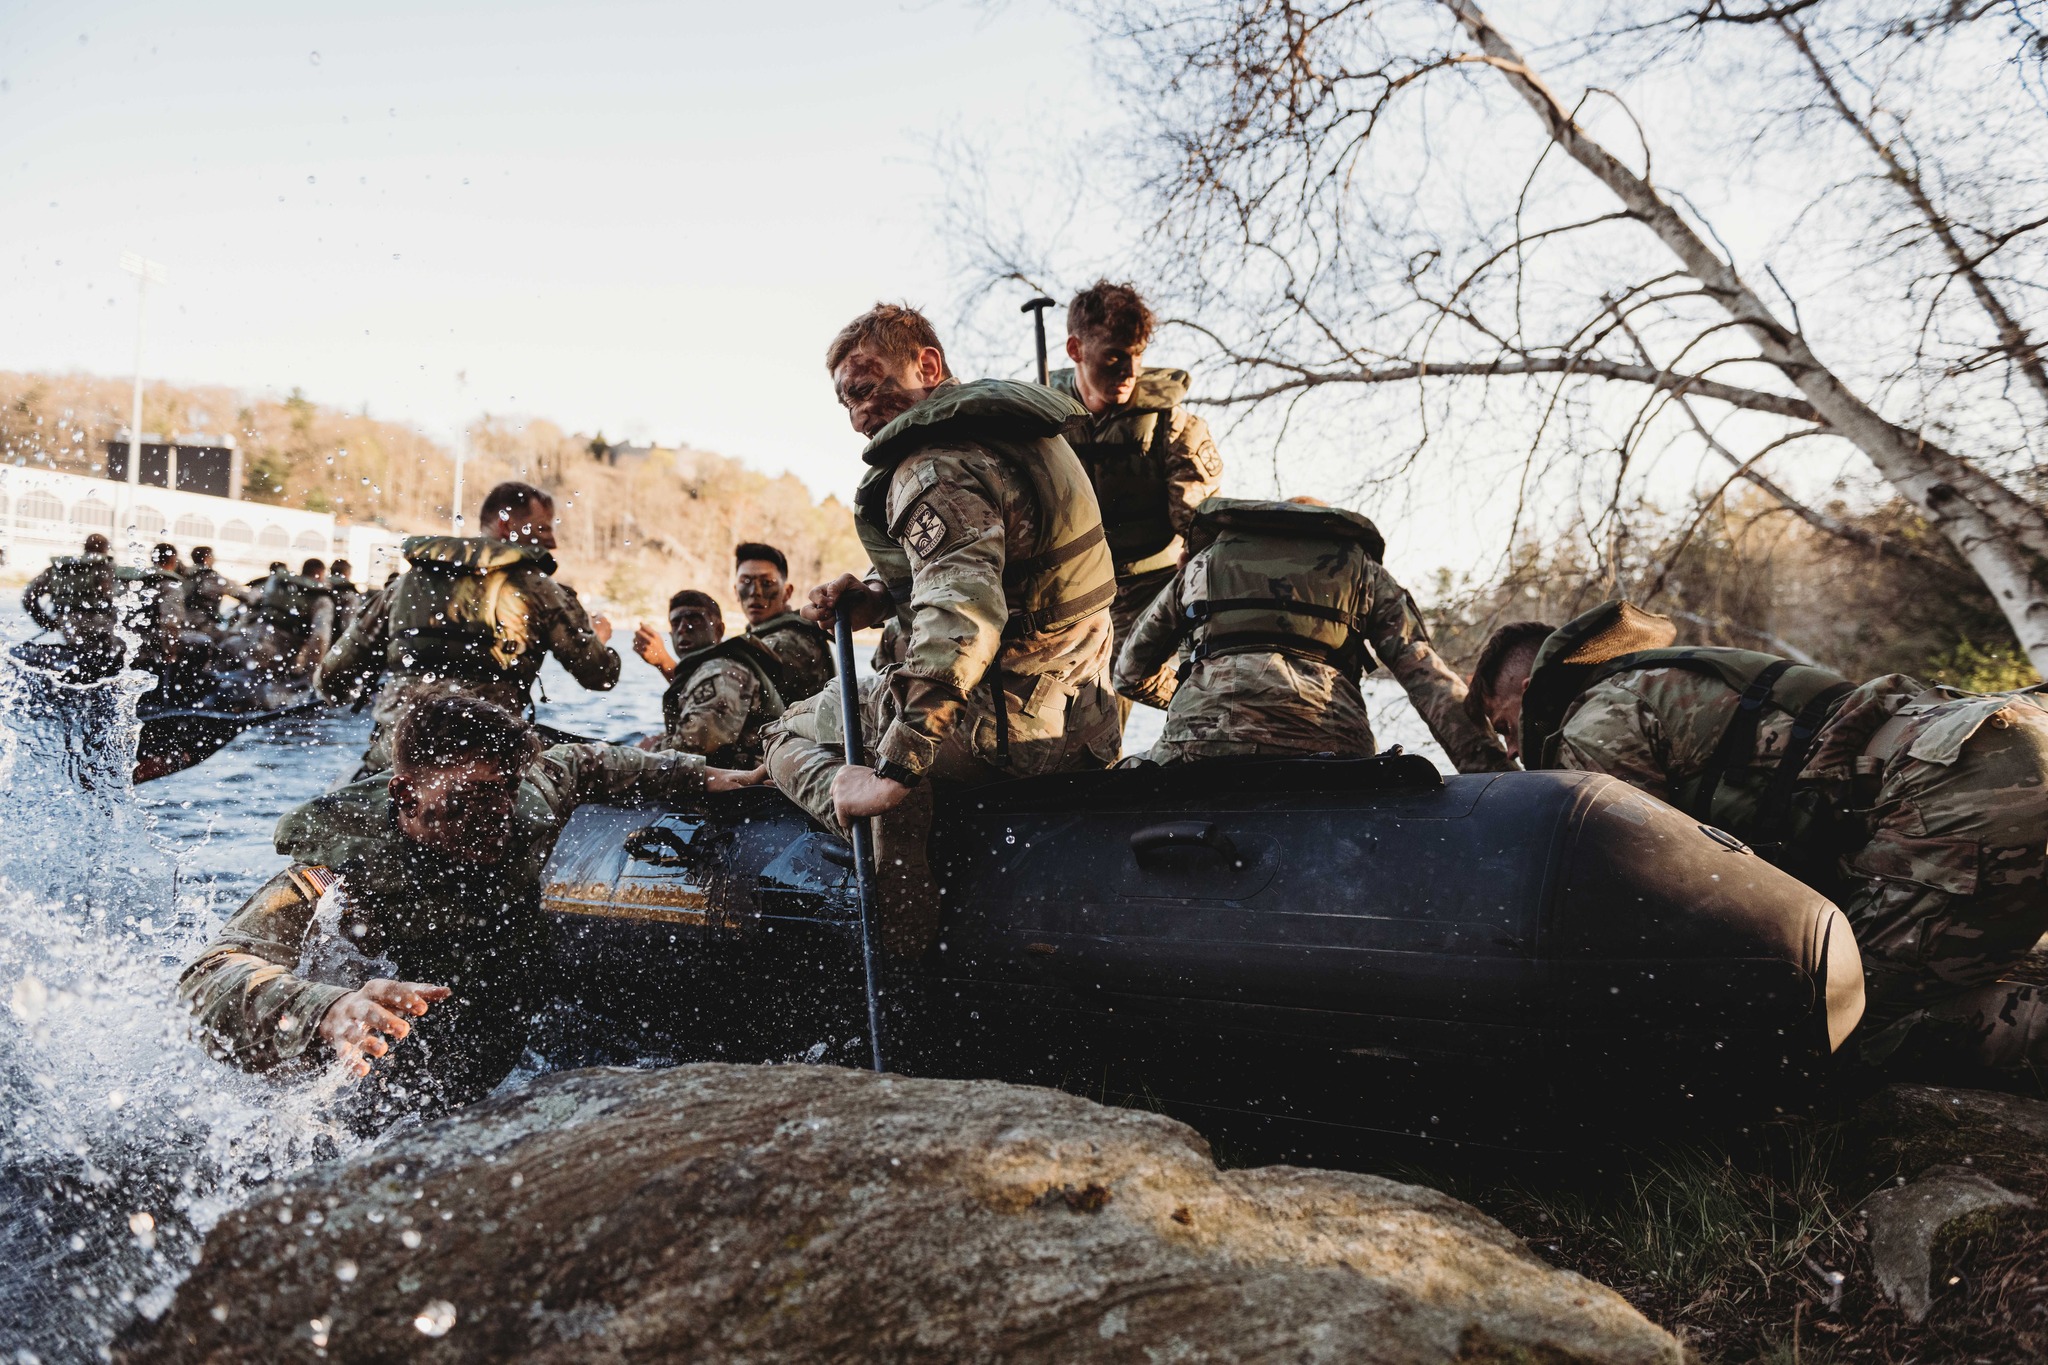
x=316 y=881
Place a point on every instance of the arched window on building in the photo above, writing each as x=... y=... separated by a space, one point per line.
x=194 y=526
x=92 y=513
x=273 y=537
x=311 y=541
x=237 y=532
x=146 y=521
x=39 y=506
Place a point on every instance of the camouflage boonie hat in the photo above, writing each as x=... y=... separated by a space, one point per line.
x=1565 y=661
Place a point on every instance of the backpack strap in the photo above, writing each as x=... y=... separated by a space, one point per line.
x=1806 y=726
x=1738 y=741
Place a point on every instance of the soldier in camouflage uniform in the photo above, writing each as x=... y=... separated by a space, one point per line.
x=75 y=598
x=1151 y=461
x=985 y=542
x=1923 y=812
x=1279 y=609
x=760 y=581
x=205 y=588
x=474 y=616
x=406 y=938
x=720 y=692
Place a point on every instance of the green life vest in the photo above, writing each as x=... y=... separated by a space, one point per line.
x=804 y=651
x=289 y=599
x=1124 y=453
x=81 y=583
x=769 y=669
x=1726 y=793
x=459 y=611
x=1284 y=578
x=1071 y=577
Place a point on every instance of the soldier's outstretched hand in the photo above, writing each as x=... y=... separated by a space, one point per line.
x=732 y=779
x=649 y=645
x=357 y=1025
x=869 y=605
x=601 y=627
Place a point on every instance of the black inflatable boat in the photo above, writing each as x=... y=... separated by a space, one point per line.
x=1305 y=953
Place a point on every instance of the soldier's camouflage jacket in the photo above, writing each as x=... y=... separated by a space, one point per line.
x=389 y=898
x=1944 y=796
x=553 y=622
x=1260 y=680
x=805 y=651
x=1152 y=463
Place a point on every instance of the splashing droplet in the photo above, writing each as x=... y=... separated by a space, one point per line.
x=436 y=1318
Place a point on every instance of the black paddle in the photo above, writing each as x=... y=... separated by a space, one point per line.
x=863 y=848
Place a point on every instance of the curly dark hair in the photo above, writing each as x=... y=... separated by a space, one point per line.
x=442 y=732
x=1115 y=311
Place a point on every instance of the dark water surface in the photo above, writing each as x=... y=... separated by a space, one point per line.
x=121 y=1142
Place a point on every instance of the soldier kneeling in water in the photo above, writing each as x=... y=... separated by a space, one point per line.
x=1922 y=812
x=1279 y=609
x=411 y=911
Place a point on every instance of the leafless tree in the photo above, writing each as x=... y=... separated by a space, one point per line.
x=1396 y=202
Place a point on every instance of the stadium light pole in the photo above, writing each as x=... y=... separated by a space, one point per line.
x=144 y=271
x=461 y=450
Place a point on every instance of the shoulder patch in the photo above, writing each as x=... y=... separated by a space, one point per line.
x=925 y=530
x=703 y=692
x=314 y=880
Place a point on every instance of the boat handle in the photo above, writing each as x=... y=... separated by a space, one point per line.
x=1154 y=839
x=659 y=845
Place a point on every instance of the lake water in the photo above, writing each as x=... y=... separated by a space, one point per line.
x=121 y=1142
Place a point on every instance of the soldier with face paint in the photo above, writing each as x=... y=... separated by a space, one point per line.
x=405 y=940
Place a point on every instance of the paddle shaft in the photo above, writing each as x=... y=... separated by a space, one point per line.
x=863 y=845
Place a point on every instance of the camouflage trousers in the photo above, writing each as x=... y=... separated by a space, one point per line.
x=400 y=695
x=1133 y=595
x=1951 y=889
x=1268 y=705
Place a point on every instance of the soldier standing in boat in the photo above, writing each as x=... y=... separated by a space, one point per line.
x=75 y=598
x=432 y=868
x=987 y=545
x=472 y=615
x=205 y=589
x=1280 y=609
x=1922 y=812
x=291 y=624
x=1150 y=460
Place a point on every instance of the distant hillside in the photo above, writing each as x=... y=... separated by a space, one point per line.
x=630 y=534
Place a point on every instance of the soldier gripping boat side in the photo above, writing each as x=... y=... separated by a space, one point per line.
x=1922 y=811
x=1279 y=610
x=431 y=872
x=1150 y=460
x=987 y=545
x=472 y=615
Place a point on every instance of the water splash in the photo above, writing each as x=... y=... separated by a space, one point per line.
x=121 y=1142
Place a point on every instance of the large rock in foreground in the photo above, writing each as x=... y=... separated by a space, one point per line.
x=728 y=1213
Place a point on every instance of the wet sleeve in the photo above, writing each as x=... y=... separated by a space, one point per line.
x=32 y=600
x=251 y=1009
x=359 y=653
x=1194 y=468
x=714 y=709
x=570 y=639
x=571 y=775
x=320 y=634
x=950 y=521
x=1144 y=666
x=1610 y=729
x=1434 y=688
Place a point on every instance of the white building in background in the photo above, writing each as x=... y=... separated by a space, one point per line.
x=44 y=513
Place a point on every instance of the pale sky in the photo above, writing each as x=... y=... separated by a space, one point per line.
x=645 y=218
